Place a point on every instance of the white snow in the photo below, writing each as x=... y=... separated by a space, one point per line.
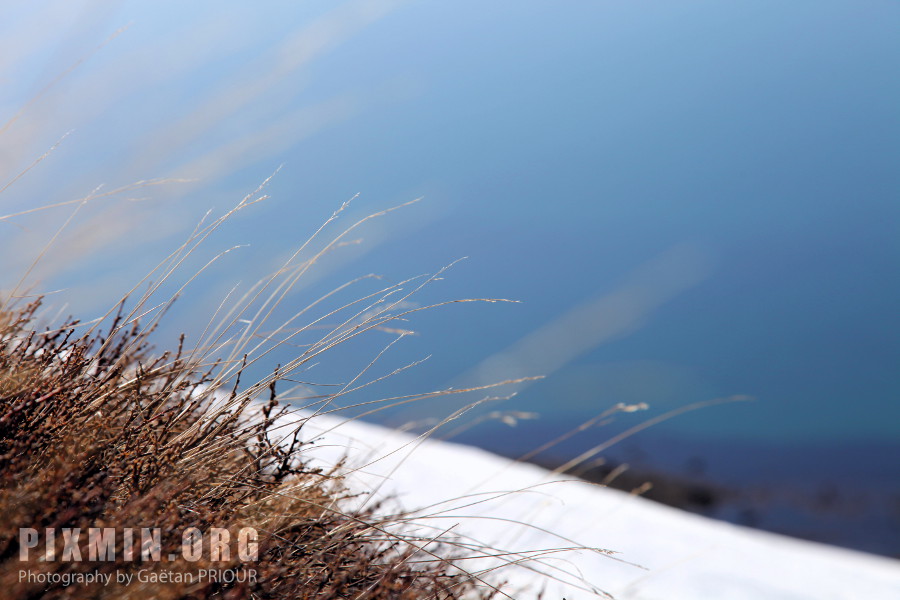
x=661 y=552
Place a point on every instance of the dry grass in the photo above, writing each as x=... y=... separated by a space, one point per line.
x=95 y=432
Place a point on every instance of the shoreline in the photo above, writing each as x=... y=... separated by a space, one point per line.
x=833 y=496
x=659 y=551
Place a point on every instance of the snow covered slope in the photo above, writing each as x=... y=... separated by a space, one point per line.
x=660 y=552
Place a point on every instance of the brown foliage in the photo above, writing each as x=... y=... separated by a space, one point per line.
x=95 y=432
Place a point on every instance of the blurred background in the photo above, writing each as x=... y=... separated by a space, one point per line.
x=690 y=201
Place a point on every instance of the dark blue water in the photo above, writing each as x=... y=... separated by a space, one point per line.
x=564 y=150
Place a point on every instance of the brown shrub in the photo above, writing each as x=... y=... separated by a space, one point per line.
x=97 y=433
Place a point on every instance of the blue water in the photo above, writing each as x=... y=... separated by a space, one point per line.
x=563 y=149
